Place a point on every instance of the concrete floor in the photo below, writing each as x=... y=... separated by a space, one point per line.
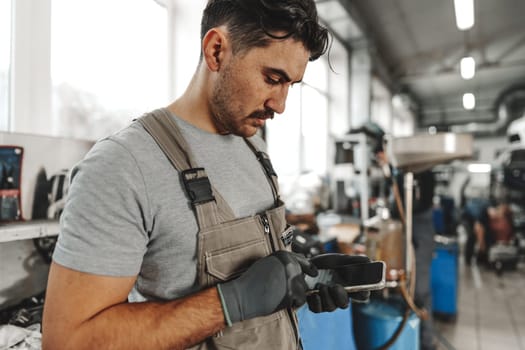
x=491 y=311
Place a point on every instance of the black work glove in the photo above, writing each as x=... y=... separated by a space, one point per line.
x=272 y=283
x=332 y=296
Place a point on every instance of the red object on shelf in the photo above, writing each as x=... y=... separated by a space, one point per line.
x=10 y=182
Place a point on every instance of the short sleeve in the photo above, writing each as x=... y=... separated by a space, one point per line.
x=103 y=228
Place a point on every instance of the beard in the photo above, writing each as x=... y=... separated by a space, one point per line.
x=226 y=116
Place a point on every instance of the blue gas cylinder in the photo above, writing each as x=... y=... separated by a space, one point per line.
x=444 y=279
x=326 y=330
x=376 y=322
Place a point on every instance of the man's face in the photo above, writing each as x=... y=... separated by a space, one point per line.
x=253 y=85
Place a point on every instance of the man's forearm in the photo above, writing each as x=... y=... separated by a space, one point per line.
x=150 y=325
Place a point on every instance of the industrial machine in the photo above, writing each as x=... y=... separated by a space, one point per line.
x=398 y=328
x=516 y=131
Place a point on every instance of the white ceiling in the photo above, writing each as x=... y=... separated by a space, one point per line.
x=419 y=48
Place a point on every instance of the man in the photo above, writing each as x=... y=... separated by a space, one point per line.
x=493 y=225
x=174 y=235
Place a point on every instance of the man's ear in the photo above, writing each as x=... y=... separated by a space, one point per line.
x=214 y=47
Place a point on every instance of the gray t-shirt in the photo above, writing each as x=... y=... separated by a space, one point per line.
x=127 y=214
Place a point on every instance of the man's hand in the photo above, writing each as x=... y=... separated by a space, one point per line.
x=272 y=283
x=334 y=296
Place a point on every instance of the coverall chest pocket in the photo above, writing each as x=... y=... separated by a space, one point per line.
x=228 y=249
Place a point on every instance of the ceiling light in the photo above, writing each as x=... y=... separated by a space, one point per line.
x=469 y=101
x=464 y=10
x=467 y=67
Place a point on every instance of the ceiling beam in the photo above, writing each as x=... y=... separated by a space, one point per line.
x=450 y=56
x=516 y=46
x=446 y=72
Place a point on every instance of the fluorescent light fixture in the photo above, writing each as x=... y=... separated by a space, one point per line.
x=469 y=101
x=479 y=168
x=467 y=67
x=464 y=10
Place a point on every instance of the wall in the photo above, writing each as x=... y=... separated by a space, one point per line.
x=52 y=154
x=22 y=271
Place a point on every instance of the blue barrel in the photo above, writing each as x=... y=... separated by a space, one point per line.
x=376 y=322
x=326 y=330
x=444 y=278
x=438 y=220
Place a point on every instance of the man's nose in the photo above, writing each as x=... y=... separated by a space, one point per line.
x=277 y=101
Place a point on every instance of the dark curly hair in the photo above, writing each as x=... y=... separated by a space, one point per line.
x=253 y=23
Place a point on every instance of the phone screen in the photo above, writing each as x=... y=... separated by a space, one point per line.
x=368 y=276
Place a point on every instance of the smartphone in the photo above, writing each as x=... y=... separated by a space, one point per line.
x=354 y=278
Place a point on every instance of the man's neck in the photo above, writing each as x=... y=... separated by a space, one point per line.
x=193 y=107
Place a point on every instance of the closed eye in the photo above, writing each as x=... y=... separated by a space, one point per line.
x=273 y=81
x=275 y=76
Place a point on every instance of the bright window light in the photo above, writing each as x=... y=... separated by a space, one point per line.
x=5 y=55
x=464 y=10
x=104 y=74
x=467 y=67
x=479 y=168
x=469 y=101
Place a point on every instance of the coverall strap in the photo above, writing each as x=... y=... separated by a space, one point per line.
x=208 y=204
x=267 y=166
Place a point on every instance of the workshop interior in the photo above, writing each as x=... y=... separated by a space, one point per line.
x=395 y=145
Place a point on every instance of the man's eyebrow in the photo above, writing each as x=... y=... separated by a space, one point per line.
x=282 y=73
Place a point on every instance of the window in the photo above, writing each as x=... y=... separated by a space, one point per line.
x=5 y=59
x=381 y=105
x=284 y=137
x=300 y=140
x=339 y=90
x=297 y=139
x=314 y=129
x=108 y=64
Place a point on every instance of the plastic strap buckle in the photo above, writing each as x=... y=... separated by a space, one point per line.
x=197 y=188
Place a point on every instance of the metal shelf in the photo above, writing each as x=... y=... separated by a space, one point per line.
x=28 y=229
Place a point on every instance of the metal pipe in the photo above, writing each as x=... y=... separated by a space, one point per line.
x=409 y=182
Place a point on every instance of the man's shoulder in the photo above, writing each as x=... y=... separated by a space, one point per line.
x=127 y=148
x=130 y=136
x=132 y=139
